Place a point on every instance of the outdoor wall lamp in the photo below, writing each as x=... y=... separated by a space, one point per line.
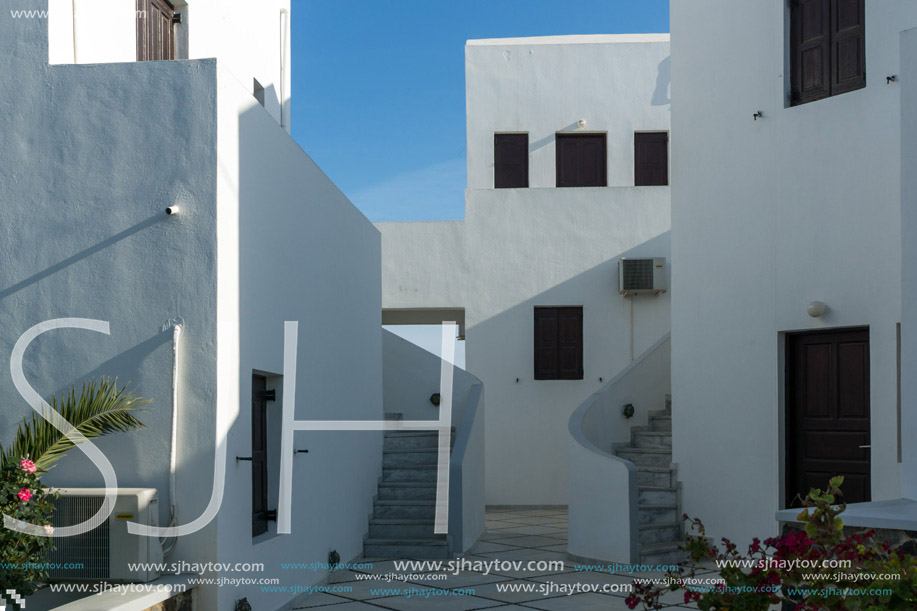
x=816 y=309
x=581 y=122
x=435 y=399
x=172 y=210
x=628 y=410
x=891 y=79
x=758 y=115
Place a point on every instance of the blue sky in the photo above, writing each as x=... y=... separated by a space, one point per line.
x=379 y=87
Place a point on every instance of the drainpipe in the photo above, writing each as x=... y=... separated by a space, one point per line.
x=284 y=25
x=73 y=22
x=169 y=544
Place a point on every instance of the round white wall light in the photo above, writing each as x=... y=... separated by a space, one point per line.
x=816 y=309
x=581 y=122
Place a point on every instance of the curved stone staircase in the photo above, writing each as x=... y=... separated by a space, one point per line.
x=404 y=509
x=661 y=526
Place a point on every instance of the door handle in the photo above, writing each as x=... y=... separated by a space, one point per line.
x=864 y=447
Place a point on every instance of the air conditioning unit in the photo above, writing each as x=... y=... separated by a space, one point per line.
x=103 y=554
x=637 y=276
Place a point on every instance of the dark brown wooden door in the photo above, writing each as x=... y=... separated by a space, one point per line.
x=511 y=161
x=581 y=160
x=259 y=455
x=559 y=343
x=651 y=159
x=155 y=30
x=827 y=408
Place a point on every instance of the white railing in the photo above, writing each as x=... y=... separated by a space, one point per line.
x=604 y=521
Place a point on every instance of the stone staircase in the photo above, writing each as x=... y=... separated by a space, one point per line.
x=404 y=509
x=650 y=449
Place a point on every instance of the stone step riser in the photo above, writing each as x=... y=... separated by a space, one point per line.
x=661 y=534
x=409 y=475
x=656 y=497
x=642 y=440
x=404 y=512
x=657 y=516
x=661 y=424
x=652 y=478
x=641 y=459
x=394 y=493
x=408 y=459
x=424 y=552
x=410 y=443
x=401 y=531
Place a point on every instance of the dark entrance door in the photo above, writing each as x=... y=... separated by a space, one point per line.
x=259 y=455
x=827 y=413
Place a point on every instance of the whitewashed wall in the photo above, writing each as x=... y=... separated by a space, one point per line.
x=768 y=215
x=519 y=248
x=251 y=39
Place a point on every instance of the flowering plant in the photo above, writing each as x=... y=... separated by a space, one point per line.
x=813 y=569
x=23 y=497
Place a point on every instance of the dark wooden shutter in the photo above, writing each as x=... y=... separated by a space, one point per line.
x=558 y=343
x=570 y=344
x=511 y=161
x=546 y=343
x=848 y=46
x=651 y=159
x=259 y=456
x=155 y=32
x=810 y=49
x=581 y=160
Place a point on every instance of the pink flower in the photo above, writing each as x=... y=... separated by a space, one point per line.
x=24 y=495
x=27 y=465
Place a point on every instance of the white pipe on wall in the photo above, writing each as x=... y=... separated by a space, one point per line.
x=167 y=545
x=284 y=26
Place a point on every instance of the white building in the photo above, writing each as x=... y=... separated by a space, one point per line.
x=93 y=153
x=788 y=190
x=554 y=200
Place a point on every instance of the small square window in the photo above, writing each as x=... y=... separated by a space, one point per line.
x=581 y=160
x=651 y=159
x=559 y=343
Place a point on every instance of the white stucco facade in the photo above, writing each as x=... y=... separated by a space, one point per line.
x=85 y=185
x=802 y=204
x=543 y=245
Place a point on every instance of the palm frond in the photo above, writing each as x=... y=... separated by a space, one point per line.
x=100 y=409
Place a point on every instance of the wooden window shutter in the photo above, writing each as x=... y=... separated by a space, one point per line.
x=511 y=161
x=810 y=49
x=155 y=30
x=848 y=45
x=651 y=159
x=259 y=456
x=570 y=344
x=581 y=160
x=546 y=348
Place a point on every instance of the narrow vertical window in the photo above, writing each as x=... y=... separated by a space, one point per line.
x=651 y=159
x=155 y=30
x=581 y=160
x=827 y=48
x=559 y=343
x=259 y=455
x=511 y=161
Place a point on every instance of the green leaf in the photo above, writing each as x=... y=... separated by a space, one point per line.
x=100 y=409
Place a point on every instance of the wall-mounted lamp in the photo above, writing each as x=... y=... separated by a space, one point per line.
x=435 y=399
x=816 y=309
x=628 y=410
x=758 y=115
x=581 y=123
x=172 y=210
x=891 y=78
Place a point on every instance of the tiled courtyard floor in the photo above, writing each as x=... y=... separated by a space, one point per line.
x=538 y=534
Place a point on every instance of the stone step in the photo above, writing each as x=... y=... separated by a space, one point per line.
x=425 y=548
x=661 y=533
x=656 y=495
x=661 y=423
x=655 y=476
x=646 y=457
x=416 y=473
x=388 y=528
x=405 y=440
x=404 y=510
x=408 y=457
x=652 y=439
x=413 y=491
x=662 y=553
x=657 y=514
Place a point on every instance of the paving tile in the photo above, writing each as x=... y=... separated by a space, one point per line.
x=534 y=540
x=440 y=602
x=588 y=577
x=318 y=599
x=576 y=602
x=493 y=535
x=462 y=580
x=539 y=530
x=344 y=606
x=368 y=590
x=560 y=548
x=525 y=554
x=491 y=591
x=485 y=547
